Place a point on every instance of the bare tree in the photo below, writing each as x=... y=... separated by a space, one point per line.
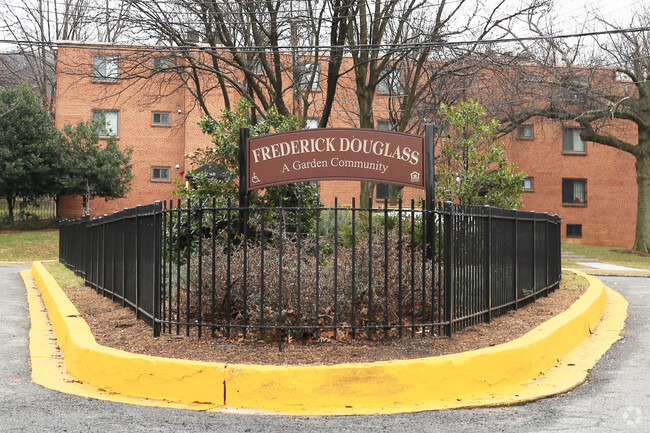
x=600 y=83
x=35 y=27
x=406 y=47
x=269 y=52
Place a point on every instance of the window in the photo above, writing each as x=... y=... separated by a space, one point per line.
x=527 y=183
x=110 y=122
x=574 y=88
x=305 y=73
x=160 y=118
x=161 y=63
x=193 y=36
x=106 y=68
x=382 y=191
x=574 y=230
x=384 y=125
x=160 y=174
x=574 y=191
x=621 y=76
x=311 y=124
x=258 y=69
x=571 y=141
x=525 y=132
x=391 y=84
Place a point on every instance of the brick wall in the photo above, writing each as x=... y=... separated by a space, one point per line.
x=608 y=218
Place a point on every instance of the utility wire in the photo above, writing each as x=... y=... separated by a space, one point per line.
x=265 y=49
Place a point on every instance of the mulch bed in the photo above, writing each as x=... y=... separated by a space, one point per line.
x=116 y=327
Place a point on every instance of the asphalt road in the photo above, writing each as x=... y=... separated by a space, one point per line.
x=616 y=396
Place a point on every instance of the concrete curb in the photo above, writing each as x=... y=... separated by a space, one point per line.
x=517 y=371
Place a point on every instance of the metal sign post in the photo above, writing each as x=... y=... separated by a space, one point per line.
x=244 y=195
x=430 y=187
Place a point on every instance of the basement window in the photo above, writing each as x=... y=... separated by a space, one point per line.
x=574 y=230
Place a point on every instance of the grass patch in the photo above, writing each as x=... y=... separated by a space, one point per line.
x=572 y=281
x=64 y=276
x=29 y=246
x=614 y=255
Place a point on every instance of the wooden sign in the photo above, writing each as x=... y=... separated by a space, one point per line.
x=347 y=154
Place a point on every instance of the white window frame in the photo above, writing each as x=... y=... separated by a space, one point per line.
x=160 y=115
x=106 y=68
x=525 y=132
x=160 y=169
x=571 y=141
x=384 y=125
x=311 y=123
x=112 y=122
x=305 y=72
x=161 y=63
x=391 y=84
x=528 y=184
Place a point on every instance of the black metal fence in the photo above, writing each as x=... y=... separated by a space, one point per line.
x=316 y=273
x=119 y=256
x=41 y=209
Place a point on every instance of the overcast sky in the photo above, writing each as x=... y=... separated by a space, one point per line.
x=571 y=16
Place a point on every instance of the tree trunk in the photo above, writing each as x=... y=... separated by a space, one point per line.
x=366 y=120
x=85 y=203
x=56 y=205
x=367 y=193
x=394 y=191
x=642 y=239
x=11 y=203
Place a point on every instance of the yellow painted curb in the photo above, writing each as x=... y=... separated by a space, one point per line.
x=523 y=369
x=48 y=368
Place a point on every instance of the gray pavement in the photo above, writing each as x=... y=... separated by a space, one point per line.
x=610 y=267
x=616 y=396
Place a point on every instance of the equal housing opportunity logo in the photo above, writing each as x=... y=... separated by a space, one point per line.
x=321 y=154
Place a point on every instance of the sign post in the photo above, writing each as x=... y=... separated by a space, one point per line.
x=243 y=175
x=430 y=187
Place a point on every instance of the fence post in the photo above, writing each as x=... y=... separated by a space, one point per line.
x=102 y=266
x=123 y=259
x=545 y=255
x=82 y=254
x=244 y=133
x=516 y=261
x=449 y=263
x=157 y=266
x=534 y=257
x=137 y=263
x=488 y=267
x=558 y=255
x=62 y=239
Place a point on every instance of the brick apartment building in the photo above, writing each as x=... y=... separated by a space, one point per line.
x=592 y=187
